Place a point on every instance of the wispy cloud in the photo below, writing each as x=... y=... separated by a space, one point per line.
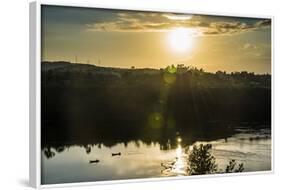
x=159 y=22
x=178 y=16
x=235 y=27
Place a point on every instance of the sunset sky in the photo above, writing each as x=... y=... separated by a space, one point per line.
x=154 y=40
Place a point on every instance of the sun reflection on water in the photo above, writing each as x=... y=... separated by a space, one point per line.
x=179 y=166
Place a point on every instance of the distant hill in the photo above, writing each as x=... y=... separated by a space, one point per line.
x=61 y=71
x=46 y=66
x=82 y=103
x=68 y=66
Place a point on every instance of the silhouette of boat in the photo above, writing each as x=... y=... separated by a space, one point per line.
x=116 y=154
x=94 y=161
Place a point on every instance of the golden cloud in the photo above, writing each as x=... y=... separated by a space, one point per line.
x=161 y=22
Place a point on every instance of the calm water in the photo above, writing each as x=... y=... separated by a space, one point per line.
x=139 y=160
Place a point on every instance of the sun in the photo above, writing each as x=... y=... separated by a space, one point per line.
x=180 y=40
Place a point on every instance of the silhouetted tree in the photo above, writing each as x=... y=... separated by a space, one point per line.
x=60 y=149
x=230 y=168
x=201 y=160
x=87 y=149
x=49 y=153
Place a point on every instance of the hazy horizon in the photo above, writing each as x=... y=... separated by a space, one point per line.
x=122 y=39
x=117 y=67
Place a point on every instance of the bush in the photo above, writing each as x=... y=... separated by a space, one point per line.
x=201 y=161
x=230 y=168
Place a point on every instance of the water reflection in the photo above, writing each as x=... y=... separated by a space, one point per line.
x=138 y=159
x=180 y=163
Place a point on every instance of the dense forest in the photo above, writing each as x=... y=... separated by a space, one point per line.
x=86 y=104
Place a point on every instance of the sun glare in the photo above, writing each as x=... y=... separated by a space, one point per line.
x=181 y=40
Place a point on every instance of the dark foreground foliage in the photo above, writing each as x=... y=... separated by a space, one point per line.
x=201 y=161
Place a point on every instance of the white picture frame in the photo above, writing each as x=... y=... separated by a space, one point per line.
x=35 y=95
